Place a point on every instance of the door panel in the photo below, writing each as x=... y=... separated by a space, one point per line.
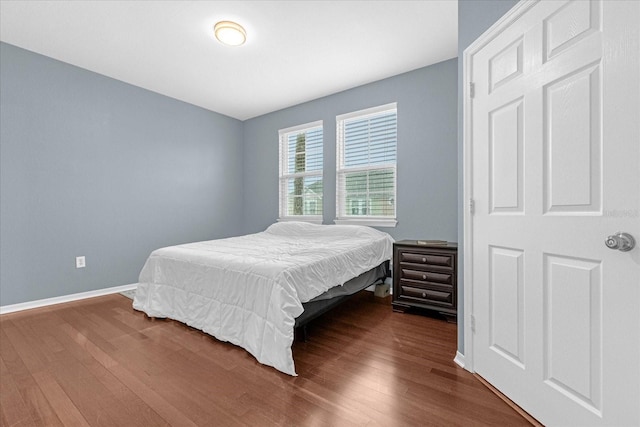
x=505 y=157
x=572 y=142
x=573 y=342
x=569 y=25
x=506 y=303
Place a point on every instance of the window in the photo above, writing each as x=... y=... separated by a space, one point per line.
x=301 y=173
x=366 y=167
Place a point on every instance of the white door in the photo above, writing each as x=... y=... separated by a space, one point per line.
x=555 y=142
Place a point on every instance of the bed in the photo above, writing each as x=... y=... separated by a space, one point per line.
x=252 y=290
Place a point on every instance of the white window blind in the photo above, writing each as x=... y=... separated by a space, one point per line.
x=366 y=166
x=301 y=173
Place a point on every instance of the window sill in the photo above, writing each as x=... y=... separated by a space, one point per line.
x=371 y=222
x=309 y=219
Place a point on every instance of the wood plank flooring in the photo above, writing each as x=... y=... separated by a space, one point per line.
x=98 y=362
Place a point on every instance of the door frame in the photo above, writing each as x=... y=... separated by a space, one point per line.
x=465 y=359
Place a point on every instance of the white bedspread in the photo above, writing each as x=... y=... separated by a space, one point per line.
x=248 y=290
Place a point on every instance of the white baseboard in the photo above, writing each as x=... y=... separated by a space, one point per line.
x=65 y=298
x=459 y=359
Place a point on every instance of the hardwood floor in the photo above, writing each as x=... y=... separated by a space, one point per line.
x=97 y=362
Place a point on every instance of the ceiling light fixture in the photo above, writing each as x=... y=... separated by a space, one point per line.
x=230 y=33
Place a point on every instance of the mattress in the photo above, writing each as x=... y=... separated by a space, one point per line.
x=248 y=290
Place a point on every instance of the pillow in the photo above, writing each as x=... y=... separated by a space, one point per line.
x=305 y=229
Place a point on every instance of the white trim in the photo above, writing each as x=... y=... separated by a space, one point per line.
x=467 y=142
x=302 y=175
x=316 y=124
x=377 y=222
x=467 y=227
x=367 y=168
x=5 y=309
x=459 y=359
x=362 y=114
x=301 y=218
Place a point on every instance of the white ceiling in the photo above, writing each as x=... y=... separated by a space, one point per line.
x=296 y=50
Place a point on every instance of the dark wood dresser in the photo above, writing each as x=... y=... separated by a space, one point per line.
x=425 y=276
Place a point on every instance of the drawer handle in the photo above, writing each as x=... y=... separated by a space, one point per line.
x=424 y=295
x=424 y=260
x=424 y=277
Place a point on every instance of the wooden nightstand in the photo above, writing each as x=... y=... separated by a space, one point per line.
x=425 y=276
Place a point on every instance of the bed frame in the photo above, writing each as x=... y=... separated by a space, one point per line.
x=335 y=296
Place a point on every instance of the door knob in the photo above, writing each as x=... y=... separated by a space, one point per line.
x=621 y=241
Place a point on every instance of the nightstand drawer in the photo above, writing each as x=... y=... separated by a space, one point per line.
x=440 y=260
x=427 y=276
x=430 y=296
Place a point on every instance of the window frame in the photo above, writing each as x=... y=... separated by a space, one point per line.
x=370 y=220
x=283 y=155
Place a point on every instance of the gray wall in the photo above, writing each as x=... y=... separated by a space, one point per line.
x=474 y=18
x=96 y=167
x=427 y=151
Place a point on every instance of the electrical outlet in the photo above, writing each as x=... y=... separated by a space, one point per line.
x=80 y=262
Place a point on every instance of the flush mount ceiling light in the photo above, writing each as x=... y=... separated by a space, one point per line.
x=230 y=33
